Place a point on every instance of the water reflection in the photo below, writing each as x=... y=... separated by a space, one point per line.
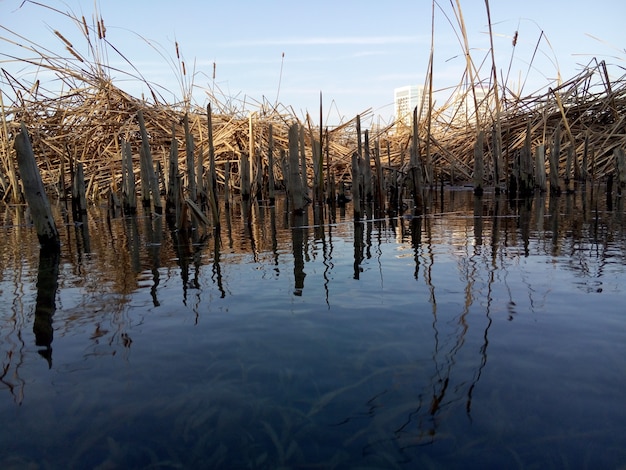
x=391 y=335
x=298 y=232
x=47 y=283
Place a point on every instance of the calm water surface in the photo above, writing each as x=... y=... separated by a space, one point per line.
x=482 y=335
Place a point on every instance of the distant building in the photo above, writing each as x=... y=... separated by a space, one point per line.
x=465 y=110
x=406 y=99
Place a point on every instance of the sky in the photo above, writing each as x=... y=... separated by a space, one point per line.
x=285 y=53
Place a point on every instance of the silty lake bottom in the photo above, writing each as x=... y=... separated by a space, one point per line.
x=484 y=334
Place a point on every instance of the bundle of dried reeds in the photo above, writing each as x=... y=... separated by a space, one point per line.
x=87 y=122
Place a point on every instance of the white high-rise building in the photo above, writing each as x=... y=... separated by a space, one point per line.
x=406 y=99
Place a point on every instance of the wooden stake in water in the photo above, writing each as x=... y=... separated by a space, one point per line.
x=191 y=168
x=244 y=176
x=568 y=168
x=356 y=190
x=270 y=166
x=496 y=146
x=540 y=168
x=212 y=178
x=367 y=170
x=79 y=197
x=296 y=190
x=584 y=174
x=146 y=159
x=620 y=168
x=416 y=167
x=526 y=183
x=318 y=195
x=172 y=174
x=554 y=162
x=479 y=167
x=303 y=168
x=35 y=193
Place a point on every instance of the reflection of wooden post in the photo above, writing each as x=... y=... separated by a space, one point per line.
x=35 y=193
x=297 y=237
x=47 y=283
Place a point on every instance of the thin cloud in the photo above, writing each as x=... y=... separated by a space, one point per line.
x=327 y=41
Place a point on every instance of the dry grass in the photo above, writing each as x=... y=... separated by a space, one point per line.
x=87 y=121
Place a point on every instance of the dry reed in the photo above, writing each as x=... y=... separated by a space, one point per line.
x=87 y=122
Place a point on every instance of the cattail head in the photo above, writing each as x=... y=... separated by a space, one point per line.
x=60 y=36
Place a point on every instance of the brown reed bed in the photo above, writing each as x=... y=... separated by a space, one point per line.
x=87 y=121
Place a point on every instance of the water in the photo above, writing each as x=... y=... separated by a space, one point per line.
x=482 y=335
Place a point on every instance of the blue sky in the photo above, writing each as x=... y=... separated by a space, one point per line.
x=354 y=52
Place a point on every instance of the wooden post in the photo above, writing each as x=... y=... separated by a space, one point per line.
x=367 y=170
x=212 y=178
x=172 y=186
x=568 y=168
x=320 y=157
x=244 y=176
x=416 y=167
x=331 y=197
x=258 y=175
x=35 y=193
x=146 y=158
x=199 y=173
x=270 y=167
x=584 y=174
x=79 y=198
x=318 y=195
x=144 y=179
x=554 y=162
x=227 y=184
x=356 y=189
x=479 y=167
x=496 y=146
x=620 y=168
x=252 y=163
x=303 y=173
x=379 y=188
x=540 y=168
x=296 y=190
x=526 y=183
x=129 y=192
x=191 y=169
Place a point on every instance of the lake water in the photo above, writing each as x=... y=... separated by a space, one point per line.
x=485 y=334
